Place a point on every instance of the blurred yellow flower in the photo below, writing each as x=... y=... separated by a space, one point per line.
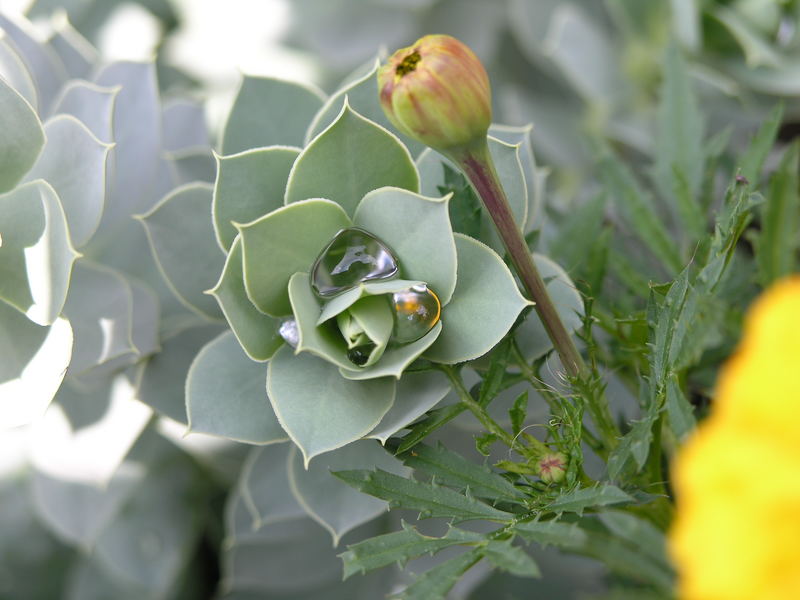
x=737 y=530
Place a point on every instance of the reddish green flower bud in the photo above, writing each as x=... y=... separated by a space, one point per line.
x=552 y=467
x=438 y=93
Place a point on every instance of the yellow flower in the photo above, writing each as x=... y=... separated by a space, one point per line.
x=736 y=534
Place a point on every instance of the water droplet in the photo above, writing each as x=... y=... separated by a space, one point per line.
x=353 y=256
x=360 y=354
x=416 y=311
x=289 y=332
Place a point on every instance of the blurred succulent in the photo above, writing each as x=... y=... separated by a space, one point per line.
x=82 y=307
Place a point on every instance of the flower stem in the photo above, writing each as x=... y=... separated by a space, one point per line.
x=478 y=166
x=479 y=411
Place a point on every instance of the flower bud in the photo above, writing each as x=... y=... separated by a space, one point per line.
x=552 y=467
x=437 y=92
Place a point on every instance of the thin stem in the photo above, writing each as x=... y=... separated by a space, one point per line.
x=479 y=411
x=478 y=166
x=550 y=397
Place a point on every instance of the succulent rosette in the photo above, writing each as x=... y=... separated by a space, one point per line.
x=350 y=279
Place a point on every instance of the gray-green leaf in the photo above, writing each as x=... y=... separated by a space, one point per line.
x=23 y=137
x=182 y=241
x=256 y=332
x=282 y=243
x=350 y=158
x=318 y=408
x=249 y=185
x=74 y=163
x=225 y=395
x=269 y=112
x=485 y=304
x=36 y=255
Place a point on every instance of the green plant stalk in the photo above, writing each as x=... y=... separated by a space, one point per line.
x=477 y=164
x=480 y=412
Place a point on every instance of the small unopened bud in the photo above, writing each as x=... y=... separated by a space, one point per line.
x=437 y=92
x=552 y=467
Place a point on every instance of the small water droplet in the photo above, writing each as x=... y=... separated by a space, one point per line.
x=360 y=354
x=289 y=332
x=416 y=311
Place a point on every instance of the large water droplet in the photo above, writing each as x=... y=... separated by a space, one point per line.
x=416 y=311
x=353 y=256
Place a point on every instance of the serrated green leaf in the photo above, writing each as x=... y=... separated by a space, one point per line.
x=636 y=207
x=318 y=408
x=417 y=229
x=634 y=445
x=680 y=412
x=465 y=208
x=23 y=137
x=452 y=469
x=269 y=112
x=580 y=499
x=518 y=412
x=431 y=500
x=531 y=336
x=665 y=328
x=777 y=243
x=328 y=500
x=257 y=333
x=435 y=583
x=752 y=161
x=73 y=161
x=436 y=419
x=182 y=241
x=556 y=533
x=679 y=144
x=249 y=185
x=282 y=243
x=225 y=395
x=485 y=304
x=91 y=104
x=417 y=393
x=36 y=255
x=350 y=158
x=513 y=559
x=493 y=379
x=399 y=547
x=163 y=381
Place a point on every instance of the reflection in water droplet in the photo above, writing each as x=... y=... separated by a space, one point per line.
x=352 y=257
x=416 y=311
x=360 y=354
x=289 y=332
